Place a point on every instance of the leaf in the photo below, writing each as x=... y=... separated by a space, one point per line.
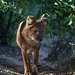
x=66 y=20
x=59 y=2
x=20 y=10
x=45 y=14
x=53 y=16
x=5 y=9
x=72 y=27
x=54 y=33
x=70 y=22
x=13 y=18
x=70 y=0
x=65 y=3
x=60 y=13
x=73 y=1
x=3 y=2
x=72 y=6
x=34 y=10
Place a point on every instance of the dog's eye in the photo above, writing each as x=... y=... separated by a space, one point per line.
x=28 y=18
x=35 y=31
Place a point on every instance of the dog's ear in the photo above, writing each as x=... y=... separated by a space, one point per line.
x=30 y=20
x=43 y=21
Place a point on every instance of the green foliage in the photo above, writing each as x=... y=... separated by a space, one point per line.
x=61 y=19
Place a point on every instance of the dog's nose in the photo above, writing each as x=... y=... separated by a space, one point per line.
x=40 y=39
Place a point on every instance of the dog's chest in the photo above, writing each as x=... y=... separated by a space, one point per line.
x=30 y=46
x=29 y=50
x=33 y=43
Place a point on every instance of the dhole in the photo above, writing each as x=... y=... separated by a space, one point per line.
x=29 y=37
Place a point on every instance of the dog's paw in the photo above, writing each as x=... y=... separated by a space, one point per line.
x=27 y=73
x=34 y=73
x=34 y=69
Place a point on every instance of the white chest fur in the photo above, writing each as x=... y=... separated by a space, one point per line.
x=29 y=50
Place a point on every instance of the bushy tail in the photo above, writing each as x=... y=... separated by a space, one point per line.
x=19 y=38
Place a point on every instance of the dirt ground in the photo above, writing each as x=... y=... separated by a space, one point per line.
x=15 y=52
x=12 y=55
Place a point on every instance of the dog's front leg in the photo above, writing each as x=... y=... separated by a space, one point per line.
x=26 y=61
x=35 y=55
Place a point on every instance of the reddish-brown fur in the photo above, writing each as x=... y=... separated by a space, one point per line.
x=29 y=36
